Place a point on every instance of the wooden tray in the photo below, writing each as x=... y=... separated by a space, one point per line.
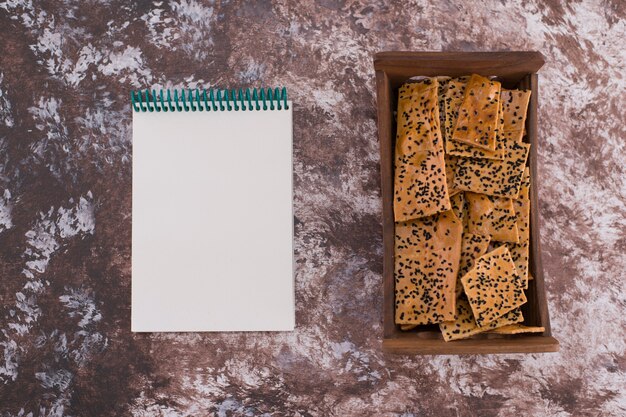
x=513 y=69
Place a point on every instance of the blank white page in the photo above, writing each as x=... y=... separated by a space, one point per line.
x=212 y=221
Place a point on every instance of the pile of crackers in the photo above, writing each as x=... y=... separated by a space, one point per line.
x=461 y=206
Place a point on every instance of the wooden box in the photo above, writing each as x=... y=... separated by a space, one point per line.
x=513 y=69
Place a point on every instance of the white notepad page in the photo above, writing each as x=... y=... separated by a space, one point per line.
x=212 y=225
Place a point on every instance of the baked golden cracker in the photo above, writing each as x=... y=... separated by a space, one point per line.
x=514 y=108
x=463 y=149
x=520 y=251
x=464 y=324
x=493 y=287
x=450 y=99
x=427 y=255
x=478 y=114
x=517 y=328
x=420 y=187
x=493 y=177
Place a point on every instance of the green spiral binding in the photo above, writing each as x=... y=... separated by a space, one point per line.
x=163 y=107
x=234 y=101
x=154 y=102
x=177 y=102
x=240 y=99
x=249 y=99
x=198 y=100
x=150 y=108
x=209 y=100
x=206 y=102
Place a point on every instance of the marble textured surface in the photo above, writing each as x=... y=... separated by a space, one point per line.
x=65 y=149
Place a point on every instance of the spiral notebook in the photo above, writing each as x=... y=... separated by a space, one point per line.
x=212 y=213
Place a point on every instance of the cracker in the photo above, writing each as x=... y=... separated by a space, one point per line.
x=493 y=177
x=514 y=108
x=421 y=190
x=427 y=255
x=452 y=100
x=517 y=328
x=520 y=251
x=463 y=149
x=493 y=287
x=417 y=102
x=492 y=216
x=478 y=114
x=464 y=325
x=420 y=187
x=514 y=111
x=407 y=327
x=472 y=248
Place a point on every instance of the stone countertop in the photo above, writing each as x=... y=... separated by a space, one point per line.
x=66 y=69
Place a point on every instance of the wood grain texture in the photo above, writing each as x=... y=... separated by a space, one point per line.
x=386 y=123
x=509 y=66
x=516 y=69
x=520 y=344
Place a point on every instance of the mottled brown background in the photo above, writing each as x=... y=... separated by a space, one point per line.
x=65 y=149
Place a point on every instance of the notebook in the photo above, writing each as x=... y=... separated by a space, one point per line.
x=212 y=220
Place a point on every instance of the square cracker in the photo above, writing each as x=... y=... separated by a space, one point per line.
x=478 y=114
x=420 y=187
x=492 y=216
x=493 y=287
x=464 y=325
x=517 y=328
x=493 y=177
x=420 y=190
x=427 y=254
